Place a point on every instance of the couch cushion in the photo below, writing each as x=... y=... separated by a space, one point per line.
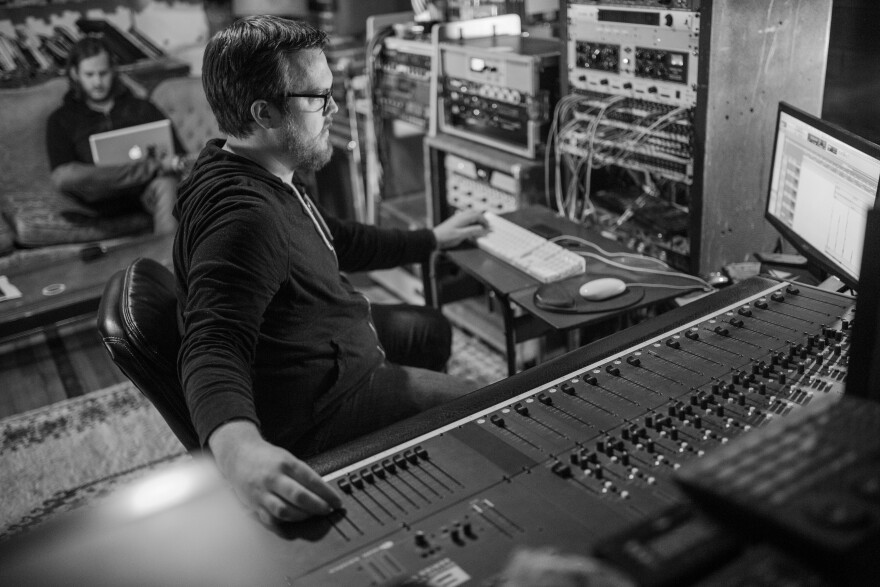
x=183 y=100
x=46 y=218
x=24 y=113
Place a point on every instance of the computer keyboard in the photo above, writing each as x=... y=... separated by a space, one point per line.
x=529 y=252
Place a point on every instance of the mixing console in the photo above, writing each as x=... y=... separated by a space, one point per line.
x=574 y=451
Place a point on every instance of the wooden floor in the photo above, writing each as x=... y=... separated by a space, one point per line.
x=56 y=363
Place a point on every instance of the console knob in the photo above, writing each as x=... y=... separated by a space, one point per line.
x=561 y=469
x=455 y=534
x=468 y=529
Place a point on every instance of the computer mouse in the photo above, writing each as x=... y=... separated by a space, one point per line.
x=603 y=288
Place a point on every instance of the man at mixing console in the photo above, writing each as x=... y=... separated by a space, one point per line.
x=279 y=354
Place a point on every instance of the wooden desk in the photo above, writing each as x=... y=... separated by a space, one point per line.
x=72 y=287
x=512 y=286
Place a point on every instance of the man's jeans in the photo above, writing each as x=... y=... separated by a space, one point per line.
x=418 y=342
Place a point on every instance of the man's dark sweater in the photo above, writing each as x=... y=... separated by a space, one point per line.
x=272 y=332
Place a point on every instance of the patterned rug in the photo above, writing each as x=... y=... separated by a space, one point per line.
x=72 y=453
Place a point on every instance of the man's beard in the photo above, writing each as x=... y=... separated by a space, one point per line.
x=311 y=156
x=89 y=95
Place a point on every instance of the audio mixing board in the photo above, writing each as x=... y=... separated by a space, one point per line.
x=575 y=451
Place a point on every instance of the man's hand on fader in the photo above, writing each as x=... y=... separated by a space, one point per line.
x=269 y=480
x=461 y=226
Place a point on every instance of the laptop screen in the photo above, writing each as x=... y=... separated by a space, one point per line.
x=134 y=143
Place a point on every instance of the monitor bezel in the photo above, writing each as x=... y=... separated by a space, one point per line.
x=814 y=256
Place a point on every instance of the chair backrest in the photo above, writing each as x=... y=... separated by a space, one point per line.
x=138 y=324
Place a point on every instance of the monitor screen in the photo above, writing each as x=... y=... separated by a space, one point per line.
x=822 y=184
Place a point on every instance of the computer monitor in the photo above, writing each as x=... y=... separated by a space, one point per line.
x=823 y=181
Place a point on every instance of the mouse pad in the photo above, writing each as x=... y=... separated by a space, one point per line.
x=563 y=297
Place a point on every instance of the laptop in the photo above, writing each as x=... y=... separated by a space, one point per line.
x=133 y=143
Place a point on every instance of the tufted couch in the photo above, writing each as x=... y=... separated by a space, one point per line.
x=37 y=222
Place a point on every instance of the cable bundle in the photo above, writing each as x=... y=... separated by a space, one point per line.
x=597 y=131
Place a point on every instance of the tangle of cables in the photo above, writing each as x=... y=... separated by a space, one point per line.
x=593 y=132
x=635 y=261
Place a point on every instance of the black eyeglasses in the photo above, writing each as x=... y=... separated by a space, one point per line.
x=326 y=96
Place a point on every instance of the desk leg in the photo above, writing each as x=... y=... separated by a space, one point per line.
x=574 y=339
x=509 y=333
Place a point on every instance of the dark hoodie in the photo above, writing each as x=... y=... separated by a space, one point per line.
x=272 y=332
x=67 y=141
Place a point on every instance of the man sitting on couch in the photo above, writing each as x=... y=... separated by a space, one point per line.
x=98 y=102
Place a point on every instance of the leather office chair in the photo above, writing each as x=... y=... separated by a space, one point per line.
x=138 y=324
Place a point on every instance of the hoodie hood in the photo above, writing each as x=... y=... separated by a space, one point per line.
x=215 y=166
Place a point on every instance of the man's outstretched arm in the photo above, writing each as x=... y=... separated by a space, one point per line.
x=267 y=479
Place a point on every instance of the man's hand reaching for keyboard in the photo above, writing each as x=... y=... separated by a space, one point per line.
x=461 y=226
